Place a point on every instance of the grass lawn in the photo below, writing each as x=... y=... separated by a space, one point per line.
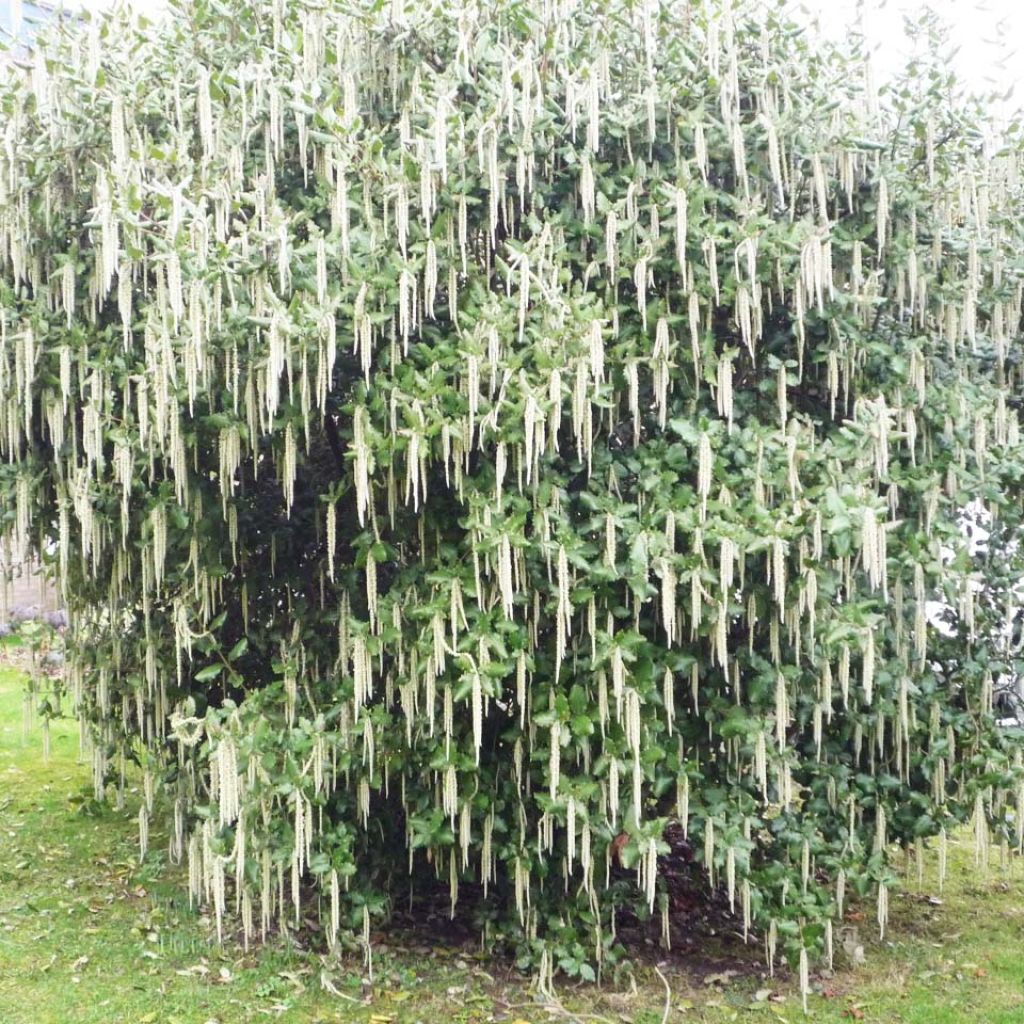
x=90 y=936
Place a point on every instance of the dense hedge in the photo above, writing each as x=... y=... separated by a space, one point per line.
x=473 y=440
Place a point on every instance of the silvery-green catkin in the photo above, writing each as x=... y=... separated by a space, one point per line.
x=331 y=528
x=805 y=979
x=704 y=471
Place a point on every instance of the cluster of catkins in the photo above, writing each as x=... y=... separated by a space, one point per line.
x=471 y=439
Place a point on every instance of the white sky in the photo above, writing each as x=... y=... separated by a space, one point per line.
x=989 y=34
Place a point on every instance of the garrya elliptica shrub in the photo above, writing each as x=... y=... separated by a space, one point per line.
x=473 y=438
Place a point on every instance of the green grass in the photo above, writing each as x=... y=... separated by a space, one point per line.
x=90 y=936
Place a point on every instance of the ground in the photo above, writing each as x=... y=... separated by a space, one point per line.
x=88 y=935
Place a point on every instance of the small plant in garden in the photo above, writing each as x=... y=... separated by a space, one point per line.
x=39 y=639
x=477 y=440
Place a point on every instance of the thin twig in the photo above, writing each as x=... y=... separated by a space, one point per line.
x=553 y=1005
x=668 y=995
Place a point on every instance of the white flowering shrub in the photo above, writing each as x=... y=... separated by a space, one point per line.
x=474 y=440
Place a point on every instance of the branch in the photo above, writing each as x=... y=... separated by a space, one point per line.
x=335 y=442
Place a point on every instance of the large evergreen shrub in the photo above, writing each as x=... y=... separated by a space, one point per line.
x=473 y=439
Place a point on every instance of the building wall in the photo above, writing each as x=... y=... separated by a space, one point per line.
x=22 y=19
x=29 y=589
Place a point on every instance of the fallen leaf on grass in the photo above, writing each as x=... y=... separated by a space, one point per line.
x=195 y=970
x=722 y=978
